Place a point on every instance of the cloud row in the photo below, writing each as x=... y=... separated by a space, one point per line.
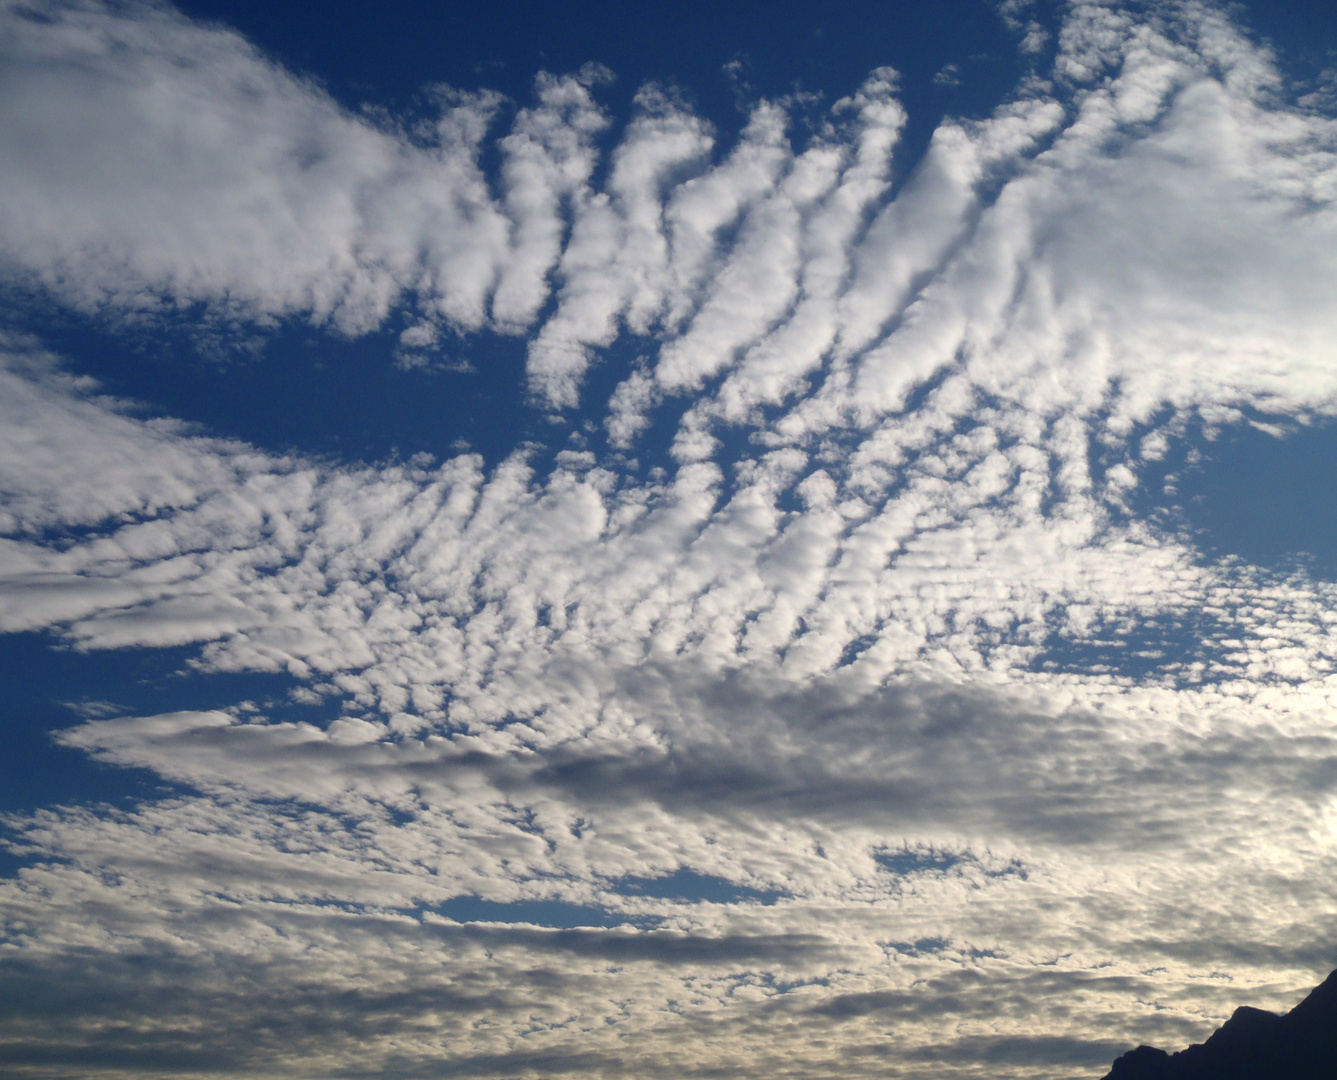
x=1151 y=215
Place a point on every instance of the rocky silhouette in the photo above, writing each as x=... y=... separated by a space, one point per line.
x=1252 y=1045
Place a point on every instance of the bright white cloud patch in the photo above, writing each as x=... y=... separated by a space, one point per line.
x=784 y=760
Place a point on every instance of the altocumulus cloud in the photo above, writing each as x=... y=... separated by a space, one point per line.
x=765 y=760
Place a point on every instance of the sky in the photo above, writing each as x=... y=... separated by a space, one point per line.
x=695 y=540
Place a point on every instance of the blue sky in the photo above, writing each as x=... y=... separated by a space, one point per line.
x=549 y=541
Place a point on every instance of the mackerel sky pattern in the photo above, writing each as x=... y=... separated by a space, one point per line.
x=557 y=581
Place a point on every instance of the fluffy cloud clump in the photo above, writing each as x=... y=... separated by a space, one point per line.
x=776 y=760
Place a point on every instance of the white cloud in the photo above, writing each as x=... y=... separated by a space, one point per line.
x=615 y=263
x=164 y=163
x=549 y=159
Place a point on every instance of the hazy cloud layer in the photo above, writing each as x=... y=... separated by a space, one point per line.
x=834 y=677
